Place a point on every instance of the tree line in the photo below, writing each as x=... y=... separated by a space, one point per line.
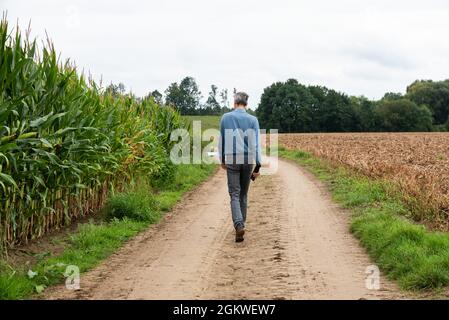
x=293 y=107
x=186 y=97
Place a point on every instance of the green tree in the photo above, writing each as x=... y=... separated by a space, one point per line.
x=402 y=115
x=116 y=89
x=435 y=95
x=364 y=115
x=392 y=96
x=212 y=105
x=157 y=97
x=333 y=111
x=185 y=96
x=224 y=100
x=286 y=106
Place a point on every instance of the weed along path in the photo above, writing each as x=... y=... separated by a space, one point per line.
x=297 y=246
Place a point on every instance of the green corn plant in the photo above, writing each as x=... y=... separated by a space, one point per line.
x=65 y=142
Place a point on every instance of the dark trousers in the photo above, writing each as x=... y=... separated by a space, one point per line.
x=239 y=177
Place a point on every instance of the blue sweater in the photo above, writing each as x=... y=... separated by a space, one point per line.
x=239 y=135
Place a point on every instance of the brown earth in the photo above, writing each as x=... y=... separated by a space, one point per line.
x=297 y=246
x=416 y=163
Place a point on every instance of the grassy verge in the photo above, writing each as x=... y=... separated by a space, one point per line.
x=416 y=258
x=207 y=122
x=125 y=215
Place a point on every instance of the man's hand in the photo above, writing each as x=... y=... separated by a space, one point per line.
x=223 y=166
x=255 y=175
x=256 y=172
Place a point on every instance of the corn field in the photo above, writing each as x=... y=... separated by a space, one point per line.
x=64 y=141
x=416 y=163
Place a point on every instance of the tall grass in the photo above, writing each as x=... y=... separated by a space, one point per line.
x=65 y=142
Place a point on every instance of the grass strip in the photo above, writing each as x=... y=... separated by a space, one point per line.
x=416 y=258
x=93 y=242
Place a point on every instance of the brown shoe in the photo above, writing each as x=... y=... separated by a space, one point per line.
x=239 y=233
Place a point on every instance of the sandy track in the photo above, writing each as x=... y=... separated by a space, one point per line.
x=297 y=246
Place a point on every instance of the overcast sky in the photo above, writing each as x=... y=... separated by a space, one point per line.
x=358 y=47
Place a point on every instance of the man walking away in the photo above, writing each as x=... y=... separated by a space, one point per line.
x=239 y=149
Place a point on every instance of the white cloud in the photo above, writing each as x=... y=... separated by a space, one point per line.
x=367 y=47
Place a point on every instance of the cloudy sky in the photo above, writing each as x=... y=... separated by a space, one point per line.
x=358 y=47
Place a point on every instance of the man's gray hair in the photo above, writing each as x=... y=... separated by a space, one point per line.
x=241 y=98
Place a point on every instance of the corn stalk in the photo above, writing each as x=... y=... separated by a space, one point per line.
x=64 y=142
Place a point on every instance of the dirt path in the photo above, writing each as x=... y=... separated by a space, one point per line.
x=297 y=246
